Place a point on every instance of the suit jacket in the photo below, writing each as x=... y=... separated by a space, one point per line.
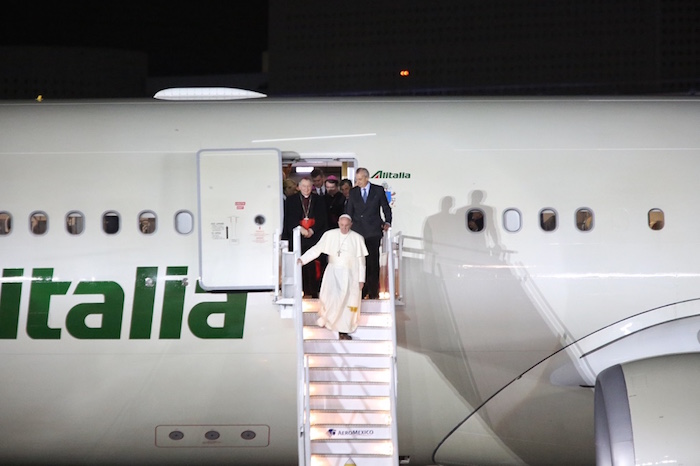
x=336 y=208
x=366 y=217
x=294 y=213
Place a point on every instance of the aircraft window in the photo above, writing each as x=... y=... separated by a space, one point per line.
x=147 y=222
x=184 y=222
x=110 y=222
x=75 y=222
x=512 y=220
x=5 y=223
x=39 y=223
x=584 y=219
x=475 y=220
x=548 y=219
x=656 y=219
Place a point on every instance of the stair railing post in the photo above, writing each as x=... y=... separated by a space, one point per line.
x=276 y=269
x=398 y=277
x=302 y=373
x=307 y=411
x=394 y=373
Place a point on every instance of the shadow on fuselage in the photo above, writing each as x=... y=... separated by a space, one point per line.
x=473 y=310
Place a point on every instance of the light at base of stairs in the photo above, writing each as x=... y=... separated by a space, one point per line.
x=323 y=462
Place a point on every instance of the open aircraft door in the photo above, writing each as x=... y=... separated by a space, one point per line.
x=240 y=213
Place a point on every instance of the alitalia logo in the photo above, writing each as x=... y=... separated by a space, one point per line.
x=384 y=174
x=110 y=310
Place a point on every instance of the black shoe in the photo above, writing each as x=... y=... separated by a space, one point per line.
x=344 y=336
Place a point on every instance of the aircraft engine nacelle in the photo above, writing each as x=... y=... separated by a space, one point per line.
x=648 y=411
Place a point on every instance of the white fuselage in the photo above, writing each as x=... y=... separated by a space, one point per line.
x=92 y=383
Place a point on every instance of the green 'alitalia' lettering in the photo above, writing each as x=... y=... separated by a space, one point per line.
x=144 y=301
x=43 y=287
x=111 y=309
x=10 y=294
x=173 y=304
x=233 y=310
x=385 y=174
x=104 y=320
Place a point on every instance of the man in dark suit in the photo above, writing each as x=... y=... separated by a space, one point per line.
x=365 y=205
x=335 y=201
x=345 y=187
x=308 y=210
x=318 y=180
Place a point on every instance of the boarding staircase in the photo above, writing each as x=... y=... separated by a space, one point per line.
x=346 y=388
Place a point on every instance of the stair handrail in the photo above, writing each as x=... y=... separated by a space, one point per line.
x=398 y=249
x=307 y=411
x=393 y=393
x=278 y=245
x=302 y=374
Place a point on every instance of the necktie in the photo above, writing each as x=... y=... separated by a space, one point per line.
x=364 y=194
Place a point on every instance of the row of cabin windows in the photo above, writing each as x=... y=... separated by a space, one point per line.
x=111 y=222
x=548 y=219
x=184 y=221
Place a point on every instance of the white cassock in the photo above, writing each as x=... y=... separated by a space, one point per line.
x=340 y=294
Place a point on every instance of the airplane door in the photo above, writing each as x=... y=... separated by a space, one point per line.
x=240 y=212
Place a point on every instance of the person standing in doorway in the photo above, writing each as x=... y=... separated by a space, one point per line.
x=366 y=204
x=307 y=210
x=318 y=178
x=289 y=188
x=335 y=201
x=345 y=187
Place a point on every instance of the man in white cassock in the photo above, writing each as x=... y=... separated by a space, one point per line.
x=343 y=279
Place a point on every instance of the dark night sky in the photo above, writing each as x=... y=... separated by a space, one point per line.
x=181 y=37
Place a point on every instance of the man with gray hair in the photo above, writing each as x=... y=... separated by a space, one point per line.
x=307 y=210
x=365 y=205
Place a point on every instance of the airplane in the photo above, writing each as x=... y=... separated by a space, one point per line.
x=547 y=283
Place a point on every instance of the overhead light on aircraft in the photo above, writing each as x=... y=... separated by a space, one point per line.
x=206 y=93
x=304 y=169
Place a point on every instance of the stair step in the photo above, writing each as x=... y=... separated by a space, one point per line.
x=366 y=319
x=335 y=403
x=336 y=431
x=349 y=389
x=352 y=447
x=362 y=333
x=349 y=375
x=349 y=417
x=348 y=347
x=348 y=360
x=368 y=305
x=346 y=460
